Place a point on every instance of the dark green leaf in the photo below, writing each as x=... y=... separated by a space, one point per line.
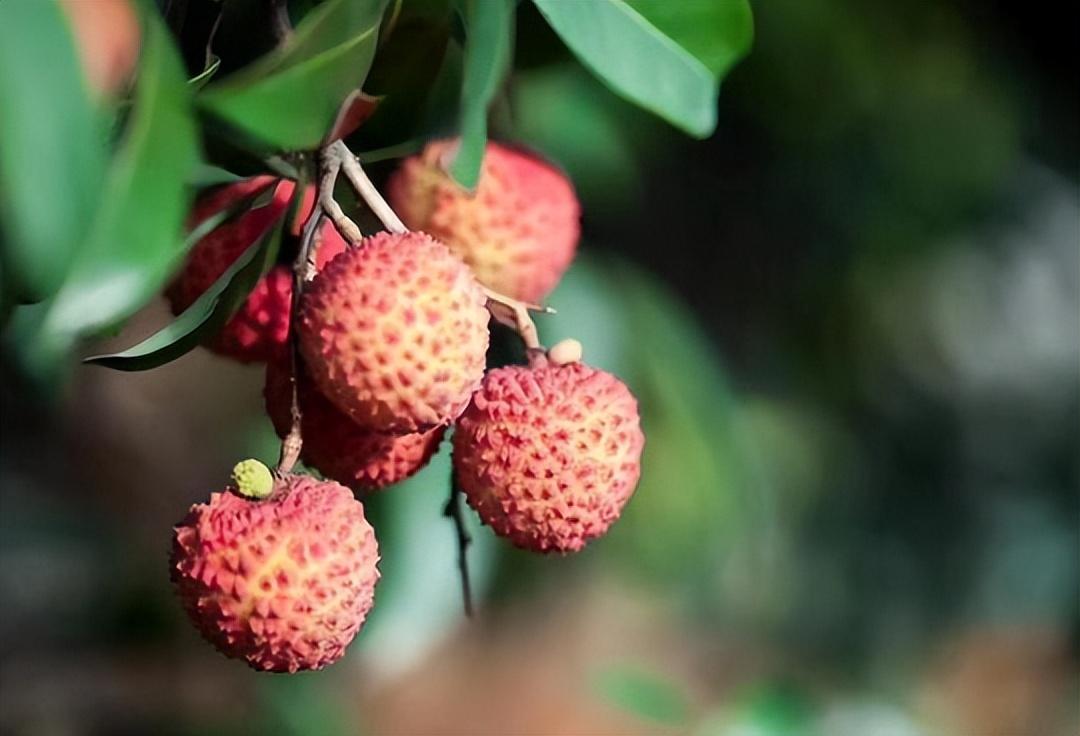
x=645 y=694
x=134 y=242
x=290 y=98
x=487 y=57
x=717 y=33
x=404 y=74
x=637 y=61
x=52 y=153
x=209 y=312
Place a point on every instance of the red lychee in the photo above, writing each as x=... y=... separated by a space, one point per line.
x=334 y=444
x=284 y=582
x=548 y=455
x=394 y=333
x=259 y=329
x=517 y=232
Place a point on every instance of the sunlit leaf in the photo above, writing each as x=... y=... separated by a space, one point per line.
x=717 y=33
x=637 y=61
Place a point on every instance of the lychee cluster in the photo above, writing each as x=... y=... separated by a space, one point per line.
x=390 y=342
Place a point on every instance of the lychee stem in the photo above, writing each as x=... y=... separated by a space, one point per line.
x=354 y=172
x=331 y=160
x=454 y=511
x=279 y=14
x=304 y=268
x=515 y=314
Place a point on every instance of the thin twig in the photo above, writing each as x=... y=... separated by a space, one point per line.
x=354 y=172
x=303 y=271
x=331 y=162
x=455 y=512
x=515 y=314
x=279 y=13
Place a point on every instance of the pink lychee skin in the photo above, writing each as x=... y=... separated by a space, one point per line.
x=259 y=329
x=283 y=583
x=518 y=231
x=394 y=333
x=549 y=455
x=338 y=448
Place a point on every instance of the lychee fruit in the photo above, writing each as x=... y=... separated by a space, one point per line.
x=518 y=231
x=394 y=333
x=259 y=329
x=336 y=446
x=283 y=582
x=548 y=455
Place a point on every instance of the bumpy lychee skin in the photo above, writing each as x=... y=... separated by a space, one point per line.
x=394 y=333
x=518 y=231
x=259 y=329
x=549 y=455
x=283 y=583
x=334 y=444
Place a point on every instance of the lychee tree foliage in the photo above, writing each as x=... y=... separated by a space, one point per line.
x=150 y=148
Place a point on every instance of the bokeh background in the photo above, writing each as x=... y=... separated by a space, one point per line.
x=852 y=317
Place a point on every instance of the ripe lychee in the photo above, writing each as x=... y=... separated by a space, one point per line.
x=548 y=455
x=282 y=582
x=518 y=231
x=260 y=327
x=334 y=444
x=394 y=333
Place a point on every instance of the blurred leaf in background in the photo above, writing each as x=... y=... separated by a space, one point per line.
x=134 y=239
x=52 y=155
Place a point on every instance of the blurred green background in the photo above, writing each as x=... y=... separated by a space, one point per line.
x=852 y=318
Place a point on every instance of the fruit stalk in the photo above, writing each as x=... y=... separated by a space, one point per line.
x=331 y=160
x=455 y=512
x=304 y=268
x=356 y=175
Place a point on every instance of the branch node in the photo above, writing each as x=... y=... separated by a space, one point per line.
x=515 y=315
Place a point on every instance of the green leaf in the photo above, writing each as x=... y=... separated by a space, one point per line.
x=134 y=242
x=637 y=61
x=716 y=33
x=290 y=98
x=645 y=694
x=203 y=78
x=487 y=58
x=52 y=148
x=209 y=312
x=207 y=175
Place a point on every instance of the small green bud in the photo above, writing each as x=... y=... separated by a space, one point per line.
x=253 y=479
